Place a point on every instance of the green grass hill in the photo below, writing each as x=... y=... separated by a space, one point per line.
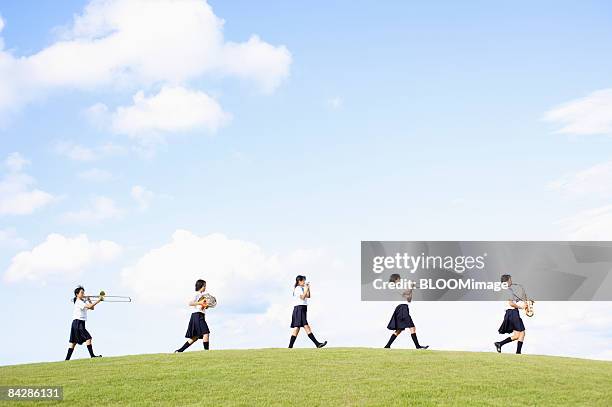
x=321 y=377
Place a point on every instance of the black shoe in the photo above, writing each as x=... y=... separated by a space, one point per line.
x=96 y=356
x=320 y=345
x=498 y=347
x=387 y=347
x=424 y=347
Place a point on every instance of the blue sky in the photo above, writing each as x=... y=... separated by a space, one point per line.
x=354 y=122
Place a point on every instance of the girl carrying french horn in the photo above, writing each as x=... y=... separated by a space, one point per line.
x=197 y=328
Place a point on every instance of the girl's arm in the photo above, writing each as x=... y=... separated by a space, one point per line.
x=196 y=303
x=91 y=305
x=515 y=305
x=306 y=293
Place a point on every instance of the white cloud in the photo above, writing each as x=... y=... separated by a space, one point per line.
x=75 y=152
x=232 y=267
x=60 y=256
x=78 y=152
x=592 y=224
x=17 y=193
x=173 y=109
x=142 y=196
x=95 y=175
x=335 y=103
x=593 y=180
x=127 y=43
x=10 y=240
x=15 y=162
x=590 y=115
x=101 y=208
x=256 y=60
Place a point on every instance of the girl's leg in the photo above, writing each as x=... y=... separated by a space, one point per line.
x=294 y=334
x=312 y=337
x=71 y=347
x=520 y=338
x=90 y=349
x=186 y=344
x=514 y=337
x=205 y=340
x=415 y=339
x=393 y=338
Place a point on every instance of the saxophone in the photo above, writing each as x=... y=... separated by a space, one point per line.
x=529 y=307
x=527 y=301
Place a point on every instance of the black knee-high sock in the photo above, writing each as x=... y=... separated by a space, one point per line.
x=69 y=355
x=90 y=349
x=505 y=341
x=206 y=345
x=391 y=339
x=185 y=346
x=313 y=339
x=519 y=346
x=292 y=341
x=415 y=340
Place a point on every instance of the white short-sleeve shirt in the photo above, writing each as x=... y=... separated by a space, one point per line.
x=79 y=311
x=197 y=308
x=297 y=291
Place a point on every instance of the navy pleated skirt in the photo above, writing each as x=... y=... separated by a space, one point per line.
x=512 y=322
x=197 y=326
x=401 y=318
x=298 y=319
x=78 y=333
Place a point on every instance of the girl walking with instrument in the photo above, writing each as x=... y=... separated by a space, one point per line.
x=198 y=328
x=512 y=322
x=401 y=319
x=301 y=294
x=78 y=333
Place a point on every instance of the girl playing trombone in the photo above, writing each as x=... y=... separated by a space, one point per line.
x=78 y=333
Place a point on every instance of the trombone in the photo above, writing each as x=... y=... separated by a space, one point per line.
x=108 y=298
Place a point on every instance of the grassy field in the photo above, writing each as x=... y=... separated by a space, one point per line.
x=325 y=377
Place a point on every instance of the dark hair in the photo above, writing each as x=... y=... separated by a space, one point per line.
x=505 y=278
x=199 y=284
x=298 y=279
x=76 y=292
x=394 y=277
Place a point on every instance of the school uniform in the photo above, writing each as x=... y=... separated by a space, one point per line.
x=300 y=308
x=401 y=318
x=197 y=327
x=78 y=333
x=512 y=318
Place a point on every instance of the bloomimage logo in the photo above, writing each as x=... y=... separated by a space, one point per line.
x=411 y=263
